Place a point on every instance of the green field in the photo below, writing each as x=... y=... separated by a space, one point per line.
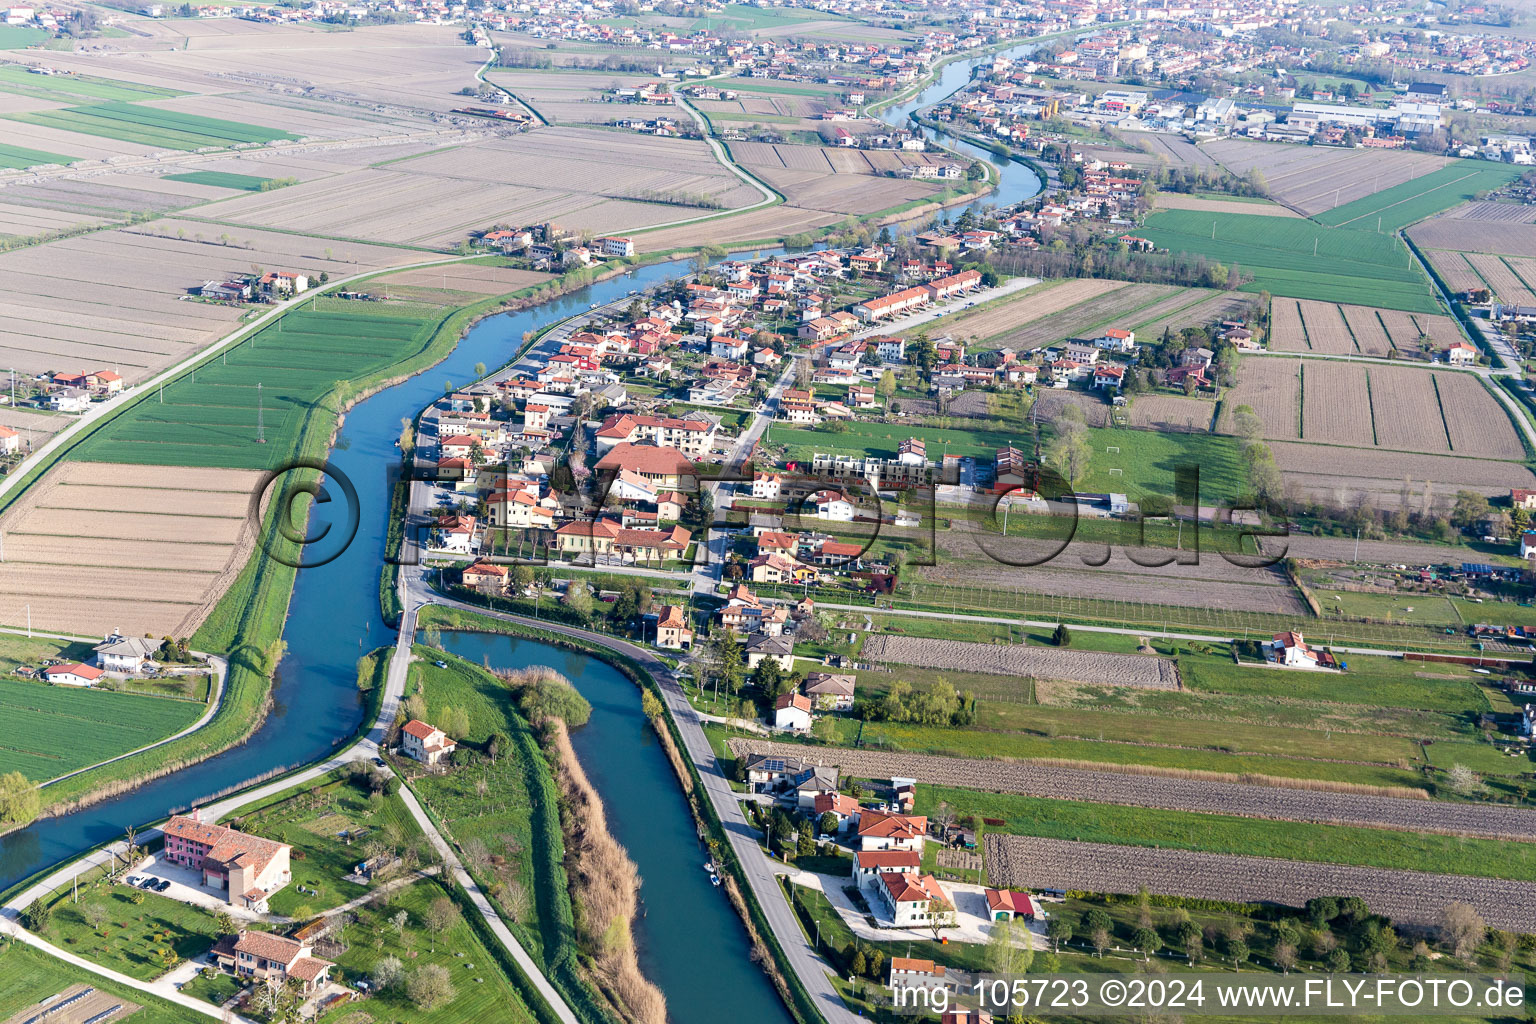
x=1424 y=196
x=779 y=89
x=20 y=158
x=19 y=37
x=47 y=731
x=882 y=440
x=78 y=88
x=221 y=179
x=28 y=976
x=150 y=126
x=1147 y=461
x=137 y=939
x=1291 y=256
x=1227 y=834
x=208 y=417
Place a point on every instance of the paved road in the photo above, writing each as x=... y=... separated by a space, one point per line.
x=758 y=867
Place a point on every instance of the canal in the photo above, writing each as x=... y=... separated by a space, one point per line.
x=1017 y=181
x=692 y=943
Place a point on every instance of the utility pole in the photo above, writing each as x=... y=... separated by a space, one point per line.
x=261 y=426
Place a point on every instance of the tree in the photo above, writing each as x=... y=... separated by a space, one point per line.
x=399 y=921
x=651 y=706
x=1463 y=781
x=94 y=915
x=19 y=802
x=441 y=915
x=1470 y=509
x=1285 y=956
x=887 y=386
x=1005 y=953
x=940 y=916
x=857 y=965
x=1069 y=453
x=1058 y=930
x=827 y=823
x=35 y=917
x=430 y=987
x=386 y=974
x=1062 y=636
x=578 y=598
x=1462 y=929
x=1338 y=962
x=1240 y=952
x=1099 y=939
x=1148 y=941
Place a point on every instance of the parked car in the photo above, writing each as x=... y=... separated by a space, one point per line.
x=162 y=885
x=378 y=762
x=134 y=880
x=149 y=883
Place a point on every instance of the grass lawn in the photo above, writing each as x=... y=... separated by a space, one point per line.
x=214 y=987
x=482 y=990
x=1147 y=460
x=1218 y=833
x=312 y=820
x=142 y=941
x=48 y=731
x=19 y=37
x=1431 y=609
x=28 y=976
x=881 y=440
x=20 y=652
x=1369 y=680
x=515 y=816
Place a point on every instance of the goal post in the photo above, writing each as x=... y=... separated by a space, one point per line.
x=1111 y=449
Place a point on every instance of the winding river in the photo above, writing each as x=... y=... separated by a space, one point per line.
x=691 y=942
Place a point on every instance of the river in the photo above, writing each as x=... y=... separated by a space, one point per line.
x=335 y=614
x=1017 y=181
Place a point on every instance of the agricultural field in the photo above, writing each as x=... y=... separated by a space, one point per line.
x=1342 y=474
x=1111 y=308
x=208 y=416
x=129 y=316
x=29 y=977
x=48 y=731
x=586 y=179
x=767 y=225
x=1307 y=326
x=572 y=97
x=1170 y=412
x=1105 y=785
x=20 y=157
x=70 y=89
x=151 y=126
x=221 y=179
x=1499 y=273
x=836 y=180
x=1512 y=238
x=470 y=282
x=1023 y=308
x=881 y=440
x=1208 y=308
x=1180 y=201
x=1032 y=662
x=1315 y=179
x=1272 y=387
x=1425 y=196
x=1299 y=258
x=1408 y=896
x=1488 y=212
x=164 y=542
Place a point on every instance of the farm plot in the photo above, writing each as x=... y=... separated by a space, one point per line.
x=1029 y=305
x=768 y=224
x=20 y=157
x=1392 y=208
x=30 y=222
x=1317 y=178
x=112 y=299
x=1287 y=334
x=1405 y=408
x=582 y=178
x=1272 y=388
x=1477 y=423
x=1169 y=412
x=1336 y=404
x=209 y=417
x=1326 y=330
x=569 y=97
x=151 y=126
x=163 y=544
x=1454 y=270
x=1386 y=477
x=48 y=731
x=1178 y=201
x=1050 y=402
x=1211 y=308
x=1408 y=896
x=1506 y=284
x=1485 y=212
x=1082 y=319
x=477 y=278
x=1035 y=662
x=1276 y=803
x=1299 y=258
x=1513 y=239
x=1371 y=337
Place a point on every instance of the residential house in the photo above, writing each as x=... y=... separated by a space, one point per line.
x=776 y=568
x=1108 y=376
x=274 y=959
x=766 y=486
x=454 y=533
x=1005 y=905
x=693 y=436
x=246 y=867
x=1461 y=353
x=841 y=806
x=829 y=692
x=1290 y=650
x=665 y=467
x=672 y=630
x=880 y=831
x=425 y=743
x=832 y=506
x=73 y=675
x=910 y=972
x=1528 y=544
x=69 y=400
x=868 y=865
x=912 y=901
x=10 y=441
x=119 y=653
x=486 y=577
x=780 y=649
x=792 y=711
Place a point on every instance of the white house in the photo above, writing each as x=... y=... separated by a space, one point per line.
x=869 y=864
x=880 y=831
x=118 y=653
x=1117 y=339
x=912 y=900
x=833 y=506
x=455 y=534
x=1528 y=544
x=73 y=675
x=910 y=972
x=10 y=441
x=766 y=486
x=1461 y=353
x=69 y=400
x=792 y=711
x=425 y=743
x=1290 y=650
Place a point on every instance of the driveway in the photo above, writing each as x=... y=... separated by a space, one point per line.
x=187 y=887
x=971 y=921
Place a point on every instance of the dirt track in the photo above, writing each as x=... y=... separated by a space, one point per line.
x=1405 y=896
x=1134 y=790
